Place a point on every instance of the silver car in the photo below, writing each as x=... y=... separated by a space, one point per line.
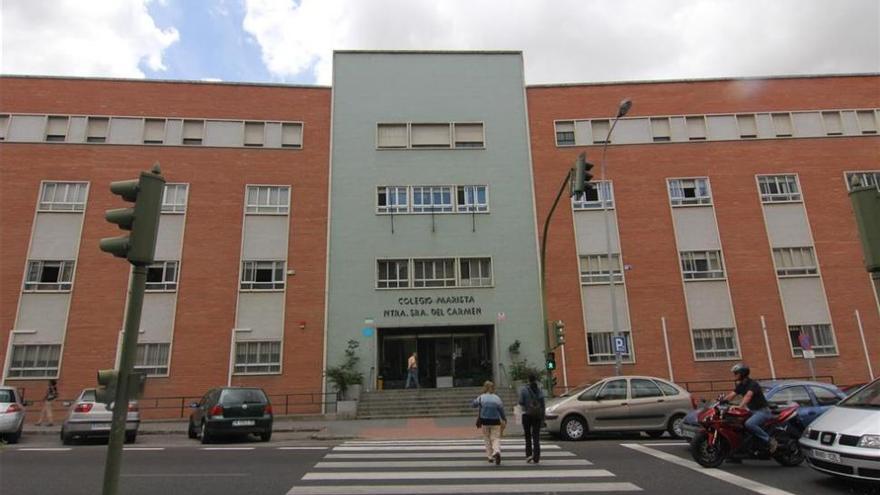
x=88 y=418
x=620 y=404
x=11 y=414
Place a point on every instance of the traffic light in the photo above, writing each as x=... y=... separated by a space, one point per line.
x=137 y=381
x=142 y=219
x=559 y=332
x=582 y=175
x=106 y=391
x=551 y=361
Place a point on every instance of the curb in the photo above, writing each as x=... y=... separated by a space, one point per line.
x=173 y=431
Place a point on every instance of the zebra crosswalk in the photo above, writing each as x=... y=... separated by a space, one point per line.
x=423 y=467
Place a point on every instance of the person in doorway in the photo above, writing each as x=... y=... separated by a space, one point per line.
x=412 y=371
x=753 y=398
x=491 y=420
x=48 y=400
x=531 y=399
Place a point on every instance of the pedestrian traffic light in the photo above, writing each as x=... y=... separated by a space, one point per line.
x=142 y=219
x=106 y=390
x=582 y=175
x=559 y=332
x=551 y=361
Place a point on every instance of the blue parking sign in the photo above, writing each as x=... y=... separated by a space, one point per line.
x=619 y=345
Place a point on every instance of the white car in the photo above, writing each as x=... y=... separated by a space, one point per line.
x=11 y=414
x=845 y=441
x=89 y=418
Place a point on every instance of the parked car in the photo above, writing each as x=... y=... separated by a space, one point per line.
x=845 y=441
x=814 y=398
x=11 y=414
x=620 y=404
x=88 y=418
x=231 y=410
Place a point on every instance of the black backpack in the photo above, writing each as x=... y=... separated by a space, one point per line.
x=533 y=404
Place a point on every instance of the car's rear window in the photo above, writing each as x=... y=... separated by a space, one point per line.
x=7 y=396
x=89 y=396
x=667 y=388
x=242 y=395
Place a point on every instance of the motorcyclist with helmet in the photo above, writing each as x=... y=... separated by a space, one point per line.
x=753 y=398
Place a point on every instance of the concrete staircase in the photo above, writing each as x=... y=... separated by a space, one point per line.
x=426 y=402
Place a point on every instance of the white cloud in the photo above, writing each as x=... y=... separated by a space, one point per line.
x=81 y=38
x=577 y=40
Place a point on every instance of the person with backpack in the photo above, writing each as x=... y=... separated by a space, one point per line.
x=531 y=399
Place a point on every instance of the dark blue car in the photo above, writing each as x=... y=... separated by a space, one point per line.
x=813 y=397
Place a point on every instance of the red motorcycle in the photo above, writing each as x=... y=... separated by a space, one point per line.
x=724 y=436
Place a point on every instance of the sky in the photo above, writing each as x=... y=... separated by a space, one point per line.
x=563 y=41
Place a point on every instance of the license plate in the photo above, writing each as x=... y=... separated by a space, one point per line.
x=826 y=456
x=100 y=427
x=243 y=422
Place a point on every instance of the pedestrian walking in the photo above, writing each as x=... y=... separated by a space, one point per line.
x=412 y=371
x=491 y=419
x=531 y=399
x=48 y=399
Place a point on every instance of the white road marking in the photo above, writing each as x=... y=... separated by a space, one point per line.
x=428 y=442
x=302 y=448
x=443 y=463
x=664 y=444
x=36 y=449
x=454 y=475
x=181 y=475
x=227 y=448
x=476 y=488
x=433 y=455
x=426 y=447
x=739 y=481
x=143 y=448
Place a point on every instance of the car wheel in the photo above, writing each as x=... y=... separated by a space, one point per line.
x=191 y=430
x=266 y=436
x=13 y=437
x=130 y=436
x=573 y=428
x=676 y=426
x=655 y=433
x=66 y=438
x=206 y=437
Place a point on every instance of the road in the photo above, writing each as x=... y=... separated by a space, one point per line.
x=173 y=464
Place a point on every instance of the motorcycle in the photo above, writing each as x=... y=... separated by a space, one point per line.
x=724 y=436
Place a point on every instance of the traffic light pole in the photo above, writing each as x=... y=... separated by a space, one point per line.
x=126 y=363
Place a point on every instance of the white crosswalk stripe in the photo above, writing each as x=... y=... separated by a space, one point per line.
x=452 y=467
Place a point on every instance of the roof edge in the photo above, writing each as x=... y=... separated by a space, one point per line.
x=162 y=81
x=435 y=52
x=707 y=79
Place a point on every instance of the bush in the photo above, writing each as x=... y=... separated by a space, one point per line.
x=346 y=374
x=521 y=369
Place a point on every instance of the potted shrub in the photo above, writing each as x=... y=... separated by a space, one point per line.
x=347 y=380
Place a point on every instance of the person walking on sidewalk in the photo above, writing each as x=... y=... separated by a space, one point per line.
x=412 y=371
x=531 y=399
x=491 y=420
x=48 y=399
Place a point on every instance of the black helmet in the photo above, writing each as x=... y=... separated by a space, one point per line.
x=740 y=368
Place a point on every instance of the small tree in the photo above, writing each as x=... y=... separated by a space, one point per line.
x=346 y=374
x=521 y=369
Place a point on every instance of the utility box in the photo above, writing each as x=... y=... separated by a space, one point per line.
x=866 y=205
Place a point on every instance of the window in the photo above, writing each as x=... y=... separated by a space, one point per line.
x=434 y=272
x=600 y=131
x=392 y=136
x=565 y=133
x=56 y=128
x=432 y=199
x=472 y=199
x=4 y=125
x=641 y=388
x=797 y=394
x=594 y=269
x=193 y=131
x=262 y=275
x=174 y=198
x=392 y=199
x=154 y=131
x=667 y=388
x=96 y=129
x=162 y=276
x=393 y=274
x=779 y=188
x=270 y=200
x=782 y=124
x=258 y=357
x=820 y=335
x=49 y=275
x=795 y=261
x=715 y=343
x=430 y=135
x=867 y=121
x=254 y=133
x=613 y=390
x=865 y=179
x=469 y=135
x=34 y=361
x=833 y=123
x=689 y=192
x=63 y=196
x=700 y=265
x=291 y=135
x=824 y=397
x=600 y=347
x=475 y=272
x=696 y=126
x=152 y=359
x=660 y=129
x=748 y=128
x=592 y=197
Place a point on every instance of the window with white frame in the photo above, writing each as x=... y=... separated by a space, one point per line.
x=833 y=123
x=748 y=126
x=43 y=275
x=154 y=131
x=254 y=133
x=291 y=135
x=472 y=199
x=701 y=265
x=438 y=272
x=660 y=129
x=475 y=272
x=193 y=132
x=600 y=130
x=600 y=347
x=779 y=188
x=565 y=133
x=865 y=179
x=469 y=135
x=4 y=126
x=34 y=361
x=56 y=128
x=152 y=359
x=687 y=192
x=392 y=199
x=429 y=135
x=96 y=129
x=715 y=343
x=428 y=199
x=782 y=124
x=174 y=198
x=795 y=261
x=821 y=339
x=262 y=275
x=272 y=200
x=162 y=276
x=258 y=357
x=392 y=274
x=696 y=126
x=867 y=121
x=595 y=269
x=63 y=196
x=592 y=197
x=392 y=136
